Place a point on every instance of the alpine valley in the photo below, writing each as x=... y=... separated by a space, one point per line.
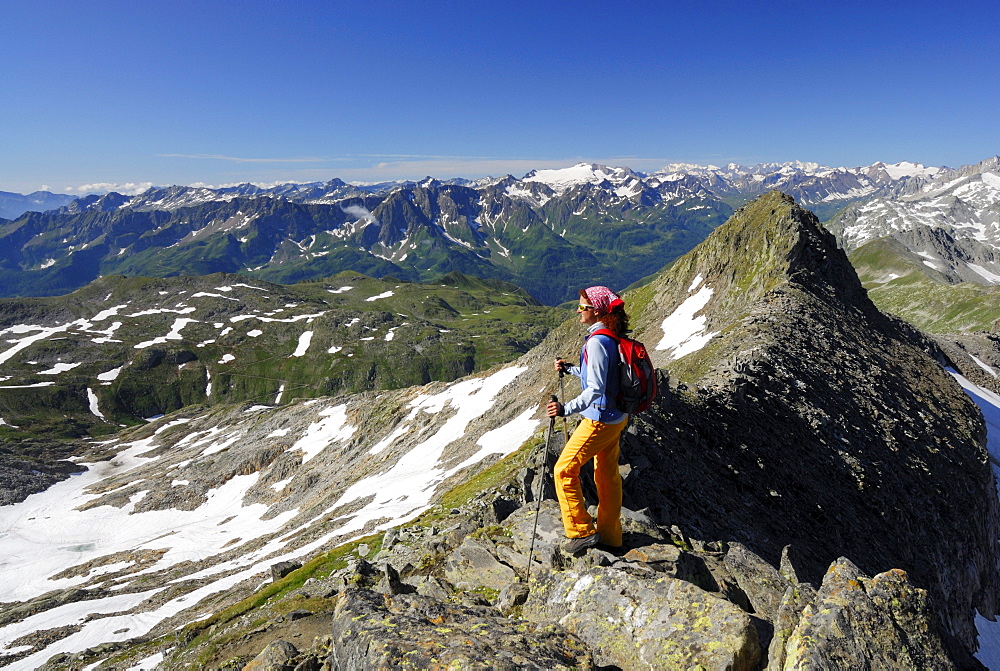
x=300 y=427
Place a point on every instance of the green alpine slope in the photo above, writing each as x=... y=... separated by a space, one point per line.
x=901 y=283
x=123 y=349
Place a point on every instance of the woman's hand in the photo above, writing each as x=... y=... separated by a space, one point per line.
x=554 y=409
x=562 y=367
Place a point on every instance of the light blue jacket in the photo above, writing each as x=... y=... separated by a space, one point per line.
x=599 y=386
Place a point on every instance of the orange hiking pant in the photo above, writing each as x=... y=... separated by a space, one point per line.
x=597 y=441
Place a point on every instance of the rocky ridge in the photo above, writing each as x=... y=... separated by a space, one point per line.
x=813 y=471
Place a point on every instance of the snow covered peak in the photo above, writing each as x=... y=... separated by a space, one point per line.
x=693 y=168
x=907 y=169
x=561 y=180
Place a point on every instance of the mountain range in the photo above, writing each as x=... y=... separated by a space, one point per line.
x=813 y=490
x=550 y=231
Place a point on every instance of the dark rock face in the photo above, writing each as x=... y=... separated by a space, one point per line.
x=20 y=478
x=373 y=631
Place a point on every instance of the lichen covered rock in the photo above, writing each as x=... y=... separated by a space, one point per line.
x=375 y=631
x=858 y=622
x=637 y=624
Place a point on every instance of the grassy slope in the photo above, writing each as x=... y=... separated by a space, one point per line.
x=899 y=283
x=439 y=331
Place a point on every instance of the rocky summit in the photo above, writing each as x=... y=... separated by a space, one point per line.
x=811 y=490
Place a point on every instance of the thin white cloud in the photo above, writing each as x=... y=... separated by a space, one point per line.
x=126 y=189
x=243 y=159
x=261 y=185
x=361 y=213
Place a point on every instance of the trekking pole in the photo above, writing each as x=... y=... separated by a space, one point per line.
x=541 y=489
x=562 y=400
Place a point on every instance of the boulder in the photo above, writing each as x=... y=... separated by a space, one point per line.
x=548 y=533
x=283 y=568
x=674 y=562
x=645 y=624
x=375 y=631
x=473 y=564
x=762 y=583
x=275 y=657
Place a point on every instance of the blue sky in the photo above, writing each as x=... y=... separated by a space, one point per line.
x=116 y=93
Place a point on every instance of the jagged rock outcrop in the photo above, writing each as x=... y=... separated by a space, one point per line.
x=659 y=622
x=858 y=622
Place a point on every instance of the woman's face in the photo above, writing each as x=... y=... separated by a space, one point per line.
x=588 y=315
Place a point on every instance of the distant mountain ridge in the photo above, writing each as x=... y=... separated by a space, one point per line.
x=13 y=205
x=964 y=202
x=524 y=232
x=550 y=231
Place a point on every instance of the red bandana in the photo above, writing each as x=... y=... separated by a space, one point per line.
x=603 y=299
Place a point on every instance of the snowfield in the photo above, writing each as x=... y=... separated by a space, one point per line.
x=49 y=538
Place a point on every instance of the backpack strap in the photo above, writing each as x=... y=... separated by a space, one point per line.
x=606 y=332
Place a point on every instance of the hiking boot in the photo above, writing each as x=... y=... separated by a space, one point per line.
x=577 y=545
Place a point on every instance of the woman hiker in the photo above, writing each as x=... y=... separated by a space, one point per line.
x=597 y=435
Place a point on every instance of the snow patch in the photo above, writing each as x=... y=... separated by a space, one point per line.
x=504 y=439
x=303 y=345
x=175 y=333
x=333 y=428
x=992 y=278
x=984 y=366
x=382 y=295
x=59 y=368
x=407 y=488
x=110 y=312
x=683 y=332
x=92 y=402
x=111 y=375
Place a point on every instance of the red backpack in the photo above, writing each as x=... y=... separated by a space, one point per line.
x=636 y=376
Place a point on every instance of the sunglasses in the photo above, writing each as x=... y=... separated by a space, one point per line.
x=582 y=307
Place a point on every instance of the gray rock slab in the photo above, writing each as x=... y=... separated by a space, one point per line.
x=273 y=657
x=374 y=631
x=473 y=564
x=646 y=624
